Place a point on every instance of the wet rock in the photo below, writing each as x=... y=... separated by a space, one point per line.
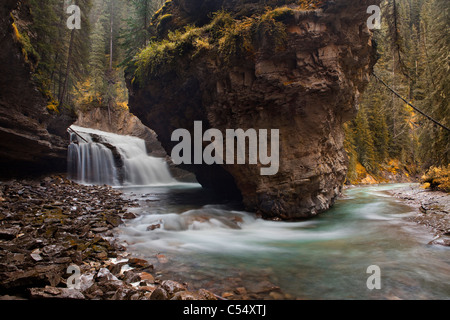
x=129 y=216
x=118 y=268
x=52 y=250
x=9 y=233
x=276 y=295
x=441 y=240
x=227 y=295
x=53 y=292
x=31 y=277
x=86 y=281
x=241 y=291
x=42 y=236
x=102 y=255
x=100 y=229
x=94 y=292
x=147 y=277
x=110 y=286
x=185 y=295
x=8 y=297
x=162 y=258
x=131 y=276
x=54 y=278
x=172 y=286
x=139 y=263
x=206 y=295
x=121 y=294
x=148 y=288
x=159 y=294
x=115 y=221
x=105 y=275
x=36 y=255
x=433 y=208
x=153 y=226
x=262 y=287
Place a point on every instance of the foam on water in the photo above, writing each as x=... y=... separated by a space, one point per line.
x=91 y=160
x=323 y=258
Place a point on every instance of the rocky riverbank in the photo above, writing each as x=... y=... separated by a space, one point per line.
x=433 y=210
x=50 y=224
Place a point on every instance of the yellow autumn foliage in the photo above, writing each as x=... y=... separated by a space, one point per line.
x=437 y=178
x=52 y=106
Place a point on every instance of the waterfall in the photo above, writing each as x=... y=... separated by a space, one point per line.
x=98 y=157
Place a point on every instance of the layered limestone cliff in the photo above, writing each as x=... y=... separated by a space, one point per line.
x=32 y=140
x=293 y=68
x=122 y=122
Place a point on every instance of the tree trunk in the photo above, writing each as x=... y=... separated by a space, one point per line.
x=111 y=36
x=146 y=22
x=110 y=80
x=66 y=76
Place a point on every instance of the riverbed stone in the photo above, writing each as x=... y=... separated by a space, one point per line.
x=139 y=263
x=129 y=216
x=53 y=292
x=172 y=287
x=159 y=294
x=185 y=295
x=43 y=235
x=433 y=210
x=9 y=233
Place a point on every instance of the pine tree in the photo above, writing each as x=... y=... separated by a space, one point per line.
x=135 y=35
x=349 y=145
x=364 y=142
x=435 y=141
x=105 y=85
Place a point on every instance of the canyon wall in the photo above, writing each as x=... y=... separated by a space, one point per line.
x=306 y=87
x=32 y=139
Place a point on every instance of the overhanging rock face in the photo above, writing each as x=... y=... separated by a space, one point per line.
x=307 y=89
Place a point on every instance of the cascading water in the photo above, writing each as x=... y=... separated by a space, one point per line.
x=97 y=157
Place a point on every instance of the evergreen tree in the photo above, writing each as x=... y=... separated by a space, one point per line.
x=62 y=53
x=435 y=141
x=364 y=142
x=135 y=35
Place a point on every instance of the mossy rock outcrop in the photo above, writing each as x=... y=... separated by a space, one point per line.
x=261 y=65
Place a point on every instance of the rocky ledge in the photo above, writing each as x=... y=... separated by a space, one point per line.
x=48 y=225
x=259 y=65
x=433 y=210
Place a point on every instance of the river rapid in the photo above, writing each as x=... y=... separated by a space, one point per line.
x=191 y=236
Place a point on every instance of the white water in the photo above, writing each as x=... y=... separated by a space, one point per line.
x=217 y=246
x=91 y=161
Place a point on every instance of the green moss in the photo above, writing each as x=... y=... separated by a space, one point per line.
x=29 y=53
x=162 y=23
x=165 y=19
x=283 y=14
x=160 y=56
x=164 y=8
x=224 y=36
x=52 y=106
